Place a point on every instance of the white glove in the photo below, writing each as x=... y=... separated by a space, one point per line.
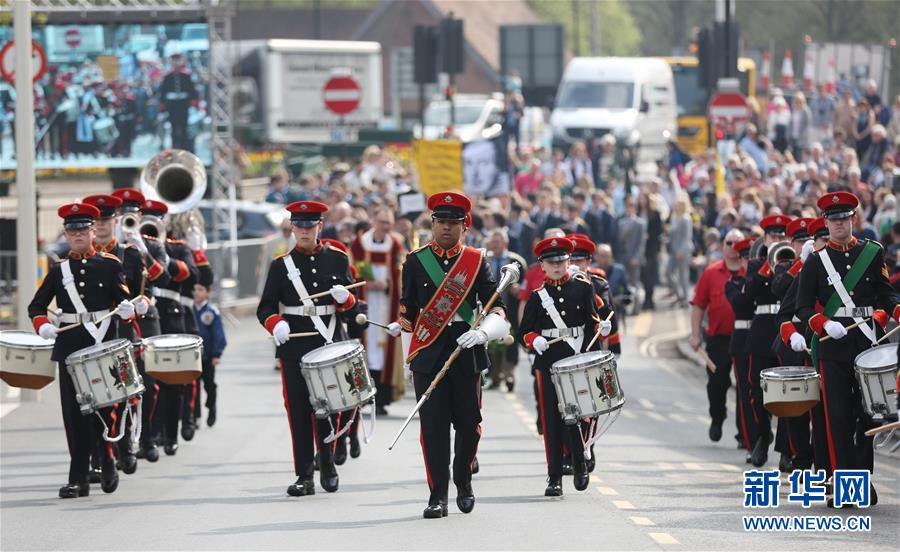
x=136 y=240
x=808 y=248
x=281 y=332
x=798 y=342
x=47 y=331
x=472 y=338
x=125 y=310
x=540 y=344
x=835 y=329
x=340 y=294
x=393 y=329
x=194 y=238
x=141 y=306
x=605 y=328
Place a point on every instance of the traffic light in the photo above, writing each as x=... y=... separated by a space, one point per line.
x=425 y=52
x=452 y=46
x=715 y=58
x=705 y=66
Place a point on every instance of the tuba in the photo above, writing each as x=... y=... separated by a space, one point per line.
x=178 y=179
x=781 y=251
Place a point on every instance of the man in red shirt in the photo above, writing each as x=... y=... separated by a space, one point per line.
x=709 y=299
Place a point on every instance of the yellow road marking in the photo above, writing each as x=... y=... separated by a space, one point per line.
x=692 y=466
x=596 y=479
x=608 y=491
x=645 y=403
x=665 y=466
x=655 y=416
x=677 y=417
x=641 y=521
x=639 y=326
x=623 y=504
x=730 y=467
x=627 y=414
x=663 y=538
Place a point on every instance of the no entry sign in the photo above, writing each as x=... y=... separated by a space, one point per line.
x=727 y=109
x=342 y=95
x=73 y=37
x=8 y=61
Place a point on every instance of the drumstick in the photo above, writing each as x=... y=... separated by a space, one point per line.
x=848 y=328
x=882 y=429
x=361 y=319
x=709 y=363
x=101 y=319
x=596 y=335
x=299 y=334
x=324 y=293
x=887 y=335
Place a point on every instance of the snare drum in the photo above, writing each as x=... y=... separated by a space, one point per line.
x=105 y=130
x=789 y=390
x=876 y=370
x=173 y=358
x=587 y=385
x=26 y=360
x=337 y=377
x=104 y=374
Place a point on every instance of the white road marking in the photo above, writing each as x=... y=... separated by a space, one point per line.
x=608 y=491
x=623 y=504
x=641 y=521
x=663 y=538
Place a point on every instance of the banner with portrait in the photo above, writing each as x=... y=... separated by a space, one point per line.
x=486 y=167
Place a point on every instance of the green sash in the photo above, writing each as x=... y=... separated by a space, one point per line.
x=850 y=280
x=436 y=273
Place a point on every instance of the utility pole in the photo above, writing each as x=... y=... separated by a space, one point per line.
x=576 y=35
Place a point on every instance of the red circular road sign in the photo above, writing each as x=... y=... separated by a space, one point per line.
x=728 y=108
x=342 y=95
x=73 y=37
x=8 y=61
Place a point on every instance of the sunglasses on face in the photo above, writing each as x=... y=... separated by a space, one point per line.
x=729 y=243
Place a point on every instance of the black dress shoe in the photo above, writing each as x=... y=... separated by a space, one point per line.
x=465 y=499
x=554 y=487
x=74 y=490
x=581 y=481
x=785 y=465
x=435 y=511
x=187 y=430
x=304 y=486
x=95 y=475
x=355 y=449
x=475 y=467
x=715 y=431
x=110 y=481
x=380 y=410
x=591 y=464
x=329 y=482
x=340 y=452
x=150 y=453
x=211 y=417
x=760 y=453
x=567 y=469
x=171 y=449
x=128 y=463
x=510 y=385
x=873 y=496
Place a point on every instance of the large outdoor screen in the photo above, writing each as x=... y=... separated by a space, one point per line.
x=114 y=95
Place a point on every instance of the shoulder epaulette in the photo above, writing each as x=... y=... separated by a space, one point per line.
x=581 y=277
x=283 y=255
x=110 y=256
x=420 y=248
x=330 y=247
x=173 y=240
x=876 y=242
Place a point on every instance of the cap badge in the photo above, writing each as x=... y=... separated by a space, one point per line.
x=126 y=194
x=74 y=208
x=304 y=206
x=834 y=198
x=553 y=243
x=448 y=199
x=777 y=220
x=101 y=201
x=802 y=224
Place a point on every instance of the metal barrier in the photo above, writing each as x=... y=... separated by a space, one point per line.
x=7 y=287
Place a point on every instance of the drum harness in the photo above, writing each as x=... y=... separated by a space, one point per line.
x=327 y=332
x=835 y=280
x=87 y=320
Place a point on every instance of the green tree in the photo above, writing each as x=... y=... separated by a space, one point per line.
x=618 y=31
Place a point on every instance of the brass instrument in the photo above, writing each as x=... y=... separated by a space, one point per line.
x=781 y=251
x=757 y=248
x=153 y=226
x=178 y=179
x=130 y=222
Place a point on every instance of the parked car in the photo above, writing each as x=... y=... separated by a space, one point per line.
x=254 y=220
x=475 y=117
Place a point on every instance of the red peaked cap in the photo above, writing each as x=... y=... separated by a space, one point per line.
x=838 y=205
x=775 y=224
x=743 y=246
x=554 y=249
x=450 y=206
x=77 y=215
x=583 y=246
x=798 y=229
x=155 y=208
x=106 y=204
x=132 y=200
x=306 y=214
x=817 y=228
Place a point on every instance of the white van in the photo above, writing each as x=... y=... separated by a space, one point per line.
x=634 y=98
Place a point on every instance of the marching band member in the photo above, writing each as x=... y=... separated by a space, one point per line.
x=441 y=283
x=307 y=269
x=563 y=307
x=793 y=435
x=173 y=320
x=742 y=307
x=843 y=267
x=86 y=285
x=763 y=331
x=133 y=264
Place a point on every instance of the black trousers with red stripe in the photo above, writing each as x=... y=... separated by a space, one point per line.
x=761 y=416
x=748 y=426
x=307 y=431
x=821 y=457
x=83 y=432
x=455 y=400
x=557 y=435
x=845 y=421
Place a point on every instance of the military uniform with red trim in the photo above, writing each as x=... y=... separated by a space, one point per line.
x=576 y=303
x=101 y=286
x=457 y=398
x=845 y=421
x=742 y=305
x=320 y=269
x=762 y=333
x=584 y=247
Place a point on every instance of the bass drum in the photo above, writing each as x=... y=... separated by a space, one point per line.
x=25 y=360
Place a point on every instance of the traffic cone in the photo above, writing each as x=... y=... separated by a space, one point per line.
x=809 y=70
x=765 y=75
x=787 y=70
x=830 y=78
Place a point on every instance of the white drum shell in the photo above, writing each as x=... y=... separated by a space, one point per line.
x=25 y=360
x=587 y=385
x=790 y=390
x=173 y=358
x=876 y=371
x=104 y=375
x=337 y=377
